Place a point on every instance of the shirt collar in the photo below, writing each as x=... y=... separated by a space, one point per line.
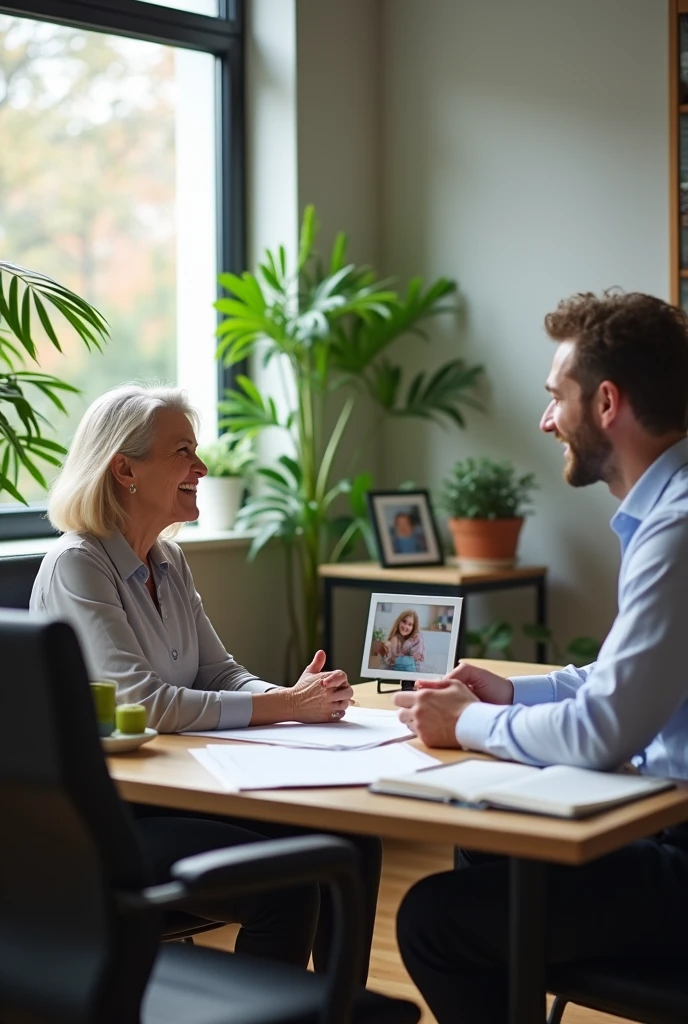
x=127 y=562
x=647 y=491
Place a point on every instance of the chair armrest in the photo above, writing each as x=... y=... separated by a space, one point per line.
x=269 y=864
x=276 y=864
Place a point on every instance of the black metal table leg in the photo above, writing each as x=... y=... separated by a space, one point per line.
x=541 y=616
x=526 y=942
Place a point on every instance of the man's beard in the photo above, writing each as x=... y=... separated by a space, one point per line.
x=589 y=458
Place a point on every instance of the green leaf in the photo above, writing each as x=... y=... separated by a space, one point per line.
x=338 y=256
x=293 y=467
x=332 y=446
x=7 y=485
x=536 y=632
x=361 y=484
x=307 y=236
x=267 y=533
x=275 y=477
x=8 y=312
x=583 y=647
x=26 y=313
x=45 y=320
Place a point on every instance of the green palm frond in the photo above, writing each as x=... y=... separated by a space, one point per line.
x=333 y=323
x=366 y=340
x=29 y=299
x=23 y=303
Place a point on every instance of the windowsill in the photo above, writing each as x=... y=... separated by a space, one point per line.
x=190 y=537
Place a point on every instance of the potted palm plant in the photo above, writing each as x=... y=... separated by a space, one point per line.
x=486 y=503
x=221 y=492
x=331 y=327
x=29 y=299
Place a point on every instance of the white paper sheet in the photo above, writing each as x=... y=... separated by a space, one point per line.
x=360 y=729
x=270 y=767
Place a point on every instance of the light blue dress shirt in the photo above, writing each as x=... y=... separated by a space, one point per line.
x=173 y=660
x=632 y=703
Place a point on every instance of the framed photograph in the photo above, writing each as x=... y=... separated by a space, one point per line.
x=405 y=529
x=411 y=637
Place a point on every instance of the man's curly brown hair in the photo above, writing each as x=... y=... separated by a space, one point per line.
x=638 y=342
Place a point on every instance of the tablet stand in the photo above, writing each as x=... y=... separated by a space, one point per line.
x=404 y=684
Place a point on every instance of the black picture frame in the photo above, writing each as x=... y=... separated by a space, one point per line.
x=384 y=508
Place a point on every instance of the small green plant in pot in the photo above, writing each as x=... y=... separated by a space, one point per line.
x=486 y=502
x=221 y=492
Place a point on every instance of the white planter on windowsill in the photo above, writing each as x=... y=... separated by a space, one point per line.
x=219 y=500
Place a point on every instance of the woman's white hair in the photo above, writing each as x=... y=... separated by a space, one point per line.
x=83 y=498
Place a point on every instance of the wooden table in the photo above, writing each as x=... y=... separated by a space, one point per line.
x=163 y=773
x=442 y=580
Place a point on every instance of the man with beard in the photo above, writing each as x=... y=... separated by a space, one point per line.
x=619 y=402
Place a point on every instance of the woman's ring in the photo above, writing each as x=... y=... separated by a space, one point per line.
x=335 y=714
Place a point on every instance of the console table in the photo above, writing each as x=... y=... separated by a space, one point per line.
x=442 y=580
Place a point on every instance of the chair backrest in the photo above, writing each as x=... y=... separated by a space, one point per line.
x=17 y=575
x=68 y=952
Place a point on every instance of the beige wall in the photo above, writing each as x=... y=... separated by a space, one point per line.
x=313 y=118
x=245 y=602
x=520 y=148
x=525 y=154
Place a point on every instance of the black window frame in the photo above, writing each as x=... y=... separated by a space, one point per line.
x=223 y=37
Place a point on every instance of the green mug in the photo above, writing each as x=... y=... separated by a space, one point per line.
x=130 y=719
x=104 y=693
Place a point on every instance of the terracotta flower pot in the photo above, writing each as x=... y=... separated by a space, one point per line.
x=486 y=540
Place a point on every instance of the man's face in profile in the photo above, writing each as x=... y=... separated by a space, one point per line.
x=588 y=453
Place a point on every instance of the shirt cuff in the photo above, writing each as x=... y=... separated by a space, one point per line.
x=531 y=690
x=475 y=724
x=258 y=686
x=236 y=708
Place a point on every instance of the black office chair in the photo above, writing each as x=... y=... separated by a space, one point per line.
x=17 y=575
x=79 y=918
x=639 y=990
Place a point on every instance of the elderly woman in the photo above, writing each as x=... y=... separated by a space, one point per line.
x=130 y=477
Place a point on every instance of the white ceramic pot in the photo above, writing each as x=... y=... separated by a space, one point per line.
x=219 y=500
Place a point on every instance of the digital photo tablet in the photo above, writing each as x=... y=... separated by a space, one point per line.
x=411 y=637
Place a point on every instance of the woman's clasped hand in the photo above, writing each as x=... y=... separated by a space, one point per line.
x=320 y=696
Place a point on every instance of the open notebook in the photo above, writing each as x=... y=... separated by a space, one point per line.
x=560 y=791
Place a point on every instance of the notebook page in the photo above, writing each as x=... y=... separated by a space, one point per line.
x=568 y=791
x=468 y=779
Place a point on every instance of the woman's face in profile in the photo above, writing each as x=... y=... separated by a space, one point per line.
x=166 y=481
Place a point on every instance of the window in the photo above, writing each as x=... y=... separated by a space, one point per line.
x=116 y=125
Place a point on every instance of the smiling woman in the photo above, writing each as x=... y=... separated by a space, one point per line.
x=130 y=477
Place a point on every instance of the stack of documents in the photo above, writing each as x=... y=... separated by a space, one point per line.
x=361 y=729
x=244 y=766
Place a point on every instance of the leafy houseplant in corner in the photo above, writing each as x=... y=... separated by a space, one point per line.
x=221 y=492
x=328 y=328
x=25 y=303
x=486 y=502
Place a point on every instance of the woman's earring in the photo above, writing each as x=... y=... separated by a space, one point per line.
x=132 y=488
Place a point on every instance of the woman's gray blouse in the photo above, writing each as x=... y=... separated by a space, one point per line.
x=172 y=661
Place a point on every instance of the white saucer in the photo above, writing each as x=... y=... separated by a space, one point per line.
x=122 y=742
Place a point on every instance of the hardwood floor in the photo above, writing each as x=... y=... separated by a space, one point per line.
x=404 y=863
